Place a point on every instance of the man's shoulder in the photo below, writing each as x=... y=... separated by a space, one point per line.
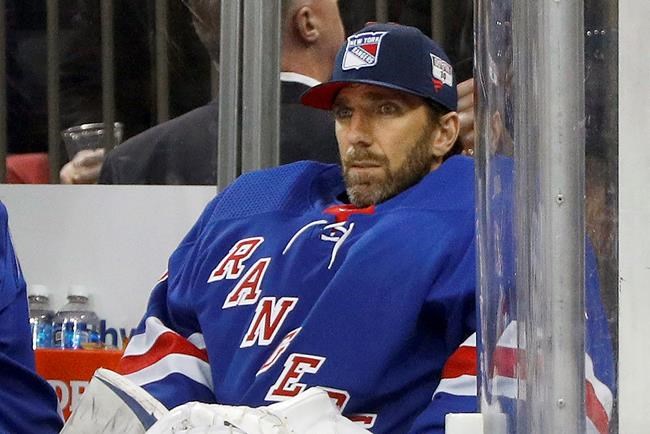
x=293 y=188
x=201 y=121
x=448 y=188
x=173 y=152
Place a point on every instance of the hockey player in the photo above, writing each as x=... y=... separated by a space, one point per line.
x=287 y=282
x=359 y=279
x=27 y=402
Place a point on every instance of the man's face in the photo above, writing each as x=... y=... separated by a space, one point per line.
x=385 y=140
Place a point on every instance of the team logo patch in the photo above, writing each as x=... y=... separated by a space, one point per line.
x=362 y=50
x=442 y=72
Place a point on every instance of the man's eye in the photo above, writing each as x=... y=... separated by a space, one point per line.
x=342 y=112
x=387 y=109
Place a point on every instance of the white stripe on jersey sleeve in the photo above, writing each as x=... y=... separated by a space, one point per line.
x=197 y=340
x=465 y=385
x=470 y=341
x=143 y=342
x=189 y=366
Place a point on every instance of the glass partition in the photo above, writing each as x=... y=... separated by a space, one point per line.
x=547 y=115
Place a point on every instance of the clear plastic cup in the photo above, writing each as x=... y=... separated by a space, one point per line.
x=89 y=136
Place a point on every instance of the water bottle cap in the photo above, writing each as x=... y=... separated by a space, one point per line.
x=38 y=290
x=78 y=290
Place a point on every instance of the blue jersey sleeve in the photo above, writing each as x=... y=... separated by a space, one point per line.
x=167 y=355
x=27 y=402
x=457 y=387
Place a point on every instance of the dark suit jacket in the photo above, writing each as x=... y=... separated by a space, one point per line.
x=183 y=150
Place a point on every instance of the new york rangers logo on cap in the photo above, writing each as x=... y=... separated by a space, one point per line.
x=362 y=50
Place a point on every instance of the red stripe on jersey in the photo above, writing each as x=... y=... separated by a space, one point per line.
x=505 y=362
x=461 y=362
x=167 y=343
x=595 y=410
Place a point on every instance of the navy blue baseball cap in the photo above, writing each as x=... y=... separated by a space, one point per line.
x=393 y=56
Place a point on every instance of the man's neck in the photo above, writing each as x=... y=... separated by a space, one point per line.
x=305 y=62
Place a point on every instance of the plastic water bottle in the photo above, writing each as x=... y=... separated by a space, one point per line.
x=40 y=316
x=75 y=324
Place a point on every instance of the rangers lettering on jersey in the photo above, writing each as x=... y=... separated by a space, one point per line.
x=339 y=397
x=288 y=384
x=231 y=265
x=281 y=348
x=367 y=420
x=248 y=289
x=268 y=319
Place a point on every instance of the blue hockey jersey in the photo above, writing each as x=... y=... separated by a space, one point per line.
x=27 y=403
x=279 y=287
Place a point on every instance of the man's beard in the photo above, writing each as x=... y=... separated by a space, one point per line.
x=365 y=189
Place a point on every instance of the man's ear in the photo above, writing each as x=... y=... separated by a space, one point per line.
x=445 y=135
x=306 y=26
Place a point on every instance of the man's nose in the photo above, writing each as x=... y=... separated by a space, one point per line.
x=359 y=131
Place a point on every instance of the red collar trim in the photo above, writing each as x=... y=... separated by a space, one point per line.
x=343 y=211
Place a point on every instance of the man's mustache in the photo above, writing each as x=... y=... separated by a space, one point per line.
x=363 y=157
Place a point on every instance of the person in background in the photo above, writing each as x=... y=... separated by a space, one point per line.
x=182 y=151
x=135 y=95
x=27 y=402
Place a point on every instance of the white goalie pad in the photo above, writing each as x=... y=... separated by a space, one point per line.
x=311 y=412
x=112 y=404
